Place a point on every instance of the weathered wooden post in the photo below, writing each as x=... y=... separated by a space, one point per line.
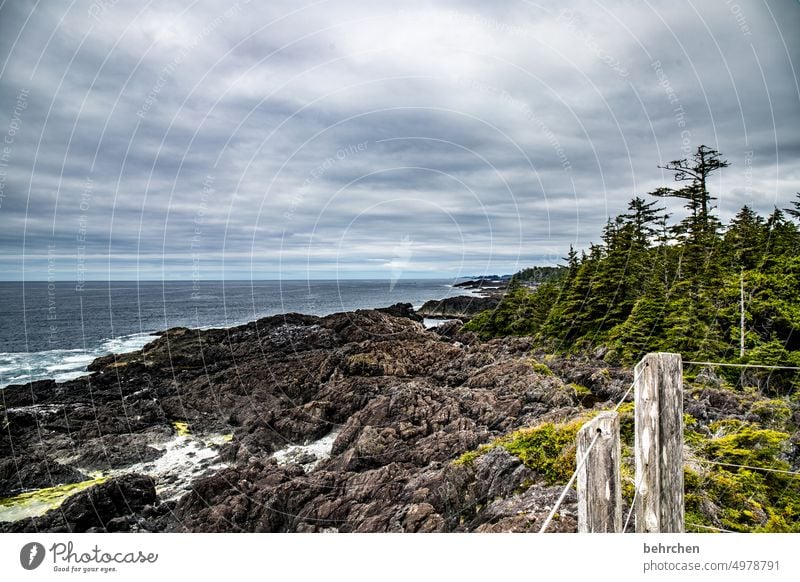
x=599 y=492
x=658 y=397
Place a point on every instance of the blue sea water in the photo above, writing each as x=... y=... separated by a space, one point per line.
x=54 y=330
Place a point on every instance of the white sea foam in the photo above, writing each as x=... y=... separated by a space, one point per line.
x=69 y=363
x=185 y=458
x=242 y=303
x=310 y=455
x=63 y=364
x=431 y=323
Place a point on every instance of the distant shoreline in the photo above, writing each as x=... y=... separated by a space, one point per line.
x=235 y=280
x=169 y=304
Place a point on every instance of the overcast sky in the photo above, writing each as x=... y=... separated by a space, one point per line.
x=292 y=139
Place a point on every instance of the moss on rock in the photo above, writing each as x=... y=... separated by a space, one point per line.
x=181 y=428
x=548 y=449
x=38 y=502
x=541 y=368
x=726 y=486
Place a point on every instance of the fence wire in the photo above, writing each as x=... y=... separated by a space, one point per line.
x=566 y=489
x=586 y=456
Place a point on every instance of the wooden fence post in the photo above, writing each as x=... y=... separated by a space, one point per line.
x=658 y=397
x=599 y=492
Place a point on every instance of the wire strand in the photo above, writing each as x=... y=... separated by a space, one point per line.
x=742 y=365
x=569 y=484
x=628 y=391
x=793 y=473
x=709 y=527
x=633 y=506
x=586 y=456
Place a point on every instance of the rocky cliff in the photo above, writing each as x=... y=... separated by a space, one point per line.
x=350 y=422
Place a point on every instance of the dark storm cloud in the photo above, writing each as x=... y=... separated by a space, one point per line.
x=334 y=138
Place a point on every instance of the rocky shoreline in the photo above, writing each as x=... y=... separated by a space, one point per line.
x=351 y=422
x=486 y=293
x=460 y=307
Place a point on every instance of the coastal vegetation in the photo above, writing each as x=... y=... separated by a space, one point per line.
x=653 y=284
x=711 y=292
x=548 y=449
x=737 y=474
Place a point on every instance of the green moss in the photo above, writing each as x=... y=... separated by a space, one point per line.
x=580 y=390
x=548 y=449
x=691 y=434
x=584 y=395
x=627 y=473
x=689 y=421
x=773 y=413
x=33 y=503
x=742 y=443
x=626 y=437
x=627 y=422
x=181 y=428
x=364 y=364
x=540 y=368
x=738 y=498
x=469 y=457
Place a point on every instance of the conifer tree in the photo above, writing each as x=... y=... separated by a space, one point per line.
x=650 y=286
x=794 y=212
x=643 y=217
x=699 y=229
x=745 y=239
x=781 y=237
x=696 y=171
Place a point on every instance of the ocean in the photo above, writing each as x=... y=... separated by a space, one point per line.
x=54 y=330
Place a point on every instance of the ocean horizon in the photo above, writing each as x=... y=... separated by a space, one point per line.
x=54 y=330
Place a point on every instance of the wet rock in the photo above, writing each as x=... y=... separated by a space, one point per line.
x=401 y=310
x=707 y=376
x=453 y=331
x=605 y=382
x=34 y=472
x=708 y=404
x=118 y=451
x=498 y=473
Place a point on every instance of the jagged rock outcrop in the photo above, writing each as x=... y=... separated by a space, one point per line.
x=462 y=307
x=34 y=472
x=406 y=403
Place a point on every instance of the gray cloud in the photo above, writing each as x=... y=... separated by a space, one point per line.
x=311 y=140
